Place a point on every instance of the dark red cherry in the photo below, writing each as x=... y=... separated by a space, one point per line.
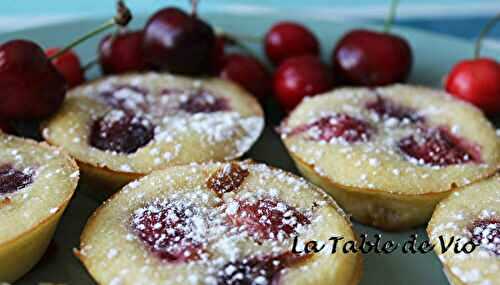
x=258 y=269
x=388 y=109
x=476 y=81
x=12 y=179
x=267 y=219
x=218 y=54
x=486 y=233
x=68 y=64
x=178 y=42
x=31 y=86
x=288 y=39
x=299 y=77
x=121 y=132
x=128 y=98
x=370 y=58
x=439 y=147
x=340 y=126
x=248 y=72
x=6 y=127
x=168 y=230
x=122 y=52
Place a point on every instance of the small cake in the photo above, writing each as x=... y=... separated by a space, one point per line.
x=218 y=223
x=122 y=127
x=469 y=217
x=389 y=155
x=36 y=184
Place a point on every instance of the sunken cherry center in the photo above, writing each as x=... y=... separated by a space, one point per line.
x=121 y=132
x=266 y=219
x=386 y=108
x=127 y=98
x=438 y=147
x=12 y=179
x=257 y=270
x=201 y=101
x=339 y=126
x=169 y=230
x=486 y=233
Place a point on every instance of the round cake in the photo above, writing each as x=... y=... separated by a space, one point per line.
x=470 y=216
x=218 y=223
x=121 y=127
x=389 y=155
x=36 y=184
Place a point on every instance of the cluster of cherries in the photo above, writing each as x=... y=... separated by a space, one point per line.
x=34 y=82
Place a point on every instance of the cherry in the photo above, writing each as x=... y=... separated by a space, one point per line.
x=121 y=132
x=31 y=86
x=178 y=42
x=201 y=101
x=340 y=126
x=68 y=64
x=477 y=80
x=299 y=77
x=127 y=98
x=438 y=147
x=168 y=230
x=248 y=72
x=218 y=54
x=257 y=269
x=227 y=179
x=267 y=219
x=6 y=127
x=122 y=52
x=371 y=58
x=389 y=109
x=486 y=233
x=12 y=180
x=289 y=39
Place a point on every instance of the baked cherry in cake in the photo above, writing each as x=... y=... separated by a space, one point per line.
x=473 y=216
x=216 y=223
x=121 y=127
x=36 y=184
x=388 y=155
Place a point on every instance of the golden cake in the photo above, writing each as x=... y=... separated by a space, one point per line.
x=388 y=155
x=217 y=223
x=36 y=184
x=121 y=127
x=470 y=216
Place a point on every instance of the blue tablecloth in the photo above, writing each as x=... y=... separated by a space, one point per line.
x=462 y=18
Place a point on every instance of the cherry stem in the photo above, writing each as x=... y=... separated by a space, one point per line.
x=391 y=16
x=489 y=25
x=194 y=7
x=122 y=18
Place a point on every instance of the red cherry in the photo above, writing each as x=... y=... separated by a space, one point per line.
x=371 y=58
x=478 y=82
x=218 y=54
x=31 y=86
x=178 y=42
x=486 y=233
x=12 y=179
x=289 y=39
x=68 y=64
x=122 y=53
x=299 y=77
x=6 y=127
x=248 y=72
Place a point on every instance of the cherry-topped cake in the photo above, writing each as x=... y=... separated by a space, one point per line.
x=36 y=184
x=389 y=155
x=121 y=127
x=469 y=218
x=218 y=223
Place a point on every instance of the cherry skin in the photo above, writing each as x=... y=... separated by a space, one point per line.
x=476 y=81
x=371 y=58
x=289 y=39
x=248 y=72
x=218 y=54
x=31 y=86
x=299 y=77
x=68 y=64
x=122 y=53
x=178 y=42
x=6 y=127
